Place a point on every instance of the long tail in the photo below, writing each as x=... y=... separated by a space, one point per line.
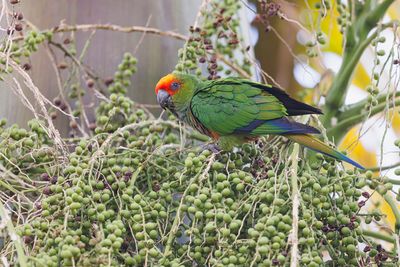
x=317 y=145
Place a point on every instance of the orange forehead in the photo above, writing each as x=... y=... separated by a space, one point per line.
x=165 y=82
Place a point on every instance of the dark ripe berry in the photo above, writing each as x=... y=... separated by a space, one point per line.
x=247 y=48
x=156 y=187
x=222 y=11
x=275 y=262
x=366 y=194
x=57 y=101
x=90 y=83
x=325 y=229
x=209 y=47
x=202 y=60
x=47 y=190
x=260 y=163
x=92 y=126
x=379 y=248
x=128 y=174
x=26 y=66
x=38 y=205
x=62 y=65
x=63 y=106
x=53 y=115
x=361 y=203
x=73 y=124
x=67 y=41
x=213 y=59
x=384 y=256
x=214 y=66
x=233 y=42
x=107 y=185
x=191 y=29
x=13 y=2
x=45 y=177
x=222 y=35
x=19 y=16
x=367 y=248
x=377 y=259
x=54 y=179
x=210 y=77
x=18 y=27
x=207 y=41
x=396 y=61
x=272 y=9
x=197 y=29
x=108 y=81
x=27 y=239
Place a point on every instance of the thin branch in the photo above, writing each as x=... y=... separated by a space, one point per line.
x=295 y=209
x=86 y=69
x=394 y=207
x=338 y=91
x=357 y=108
x=111 y=27
x=375 y=15
x=42 y=100
x=379 y=235
x=233 y=66
x=375 y=169
x=6 y=220
x=340 y=129
x=178 y=216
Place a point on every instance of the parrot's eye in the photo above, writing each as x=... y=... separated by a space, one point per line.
x=175 y=86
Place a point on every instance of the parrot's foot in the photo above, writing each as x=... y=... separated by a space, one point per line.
x=214 y=148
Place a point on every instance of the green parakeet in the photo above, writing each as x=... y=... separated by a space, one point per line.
x=234 y=110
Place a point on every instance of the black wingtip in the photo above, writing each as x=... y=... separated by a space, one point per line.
x=310 y=110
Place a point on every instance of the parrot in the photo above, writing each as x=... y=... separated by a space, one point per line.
x=234 y=110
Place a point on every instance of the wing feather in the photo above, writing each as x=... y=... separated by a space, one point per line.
x=223 y=106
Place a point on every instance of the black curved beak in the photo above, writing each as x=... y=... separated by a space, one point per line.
x=163 y=98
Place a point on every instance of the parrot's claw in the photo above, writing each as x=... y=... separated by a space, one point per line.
x=214 y=148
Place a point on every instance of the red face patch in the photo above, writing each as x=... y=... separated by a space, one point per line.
x=168 y=83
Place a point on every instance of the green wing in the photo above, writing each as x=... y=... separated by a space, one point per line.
x=230 y=105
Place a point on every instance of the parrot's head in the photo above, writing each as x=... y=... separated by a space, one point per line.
x=175 y=91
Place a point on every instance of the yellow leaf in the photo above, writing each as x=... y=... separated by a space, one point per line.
x=385 y=208
x=356 y=150
x=394 y=114
x=361 y=78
